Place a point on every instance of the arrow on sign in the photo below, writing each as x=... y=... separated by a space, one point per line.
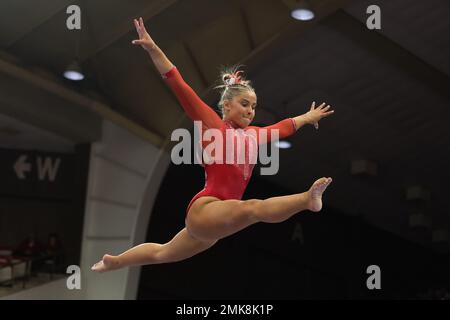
x=21 y=166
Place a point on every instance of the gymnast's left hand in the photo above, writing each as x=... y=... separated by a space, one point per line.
x=315 y=114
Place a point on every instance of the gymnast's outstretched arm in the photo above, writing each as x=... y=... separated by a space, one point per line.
x=289 y=126
x=313 y=116
x=162 y=63
x=195 y=108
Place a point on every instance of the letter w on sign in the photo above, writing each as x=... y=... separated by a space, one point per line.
x=48 y=168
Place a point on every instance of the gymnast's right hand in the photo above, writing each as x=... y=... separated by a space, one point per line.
x=145 y=41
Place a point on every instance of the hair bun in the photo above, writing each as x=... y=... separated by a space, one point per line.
x=233 y=78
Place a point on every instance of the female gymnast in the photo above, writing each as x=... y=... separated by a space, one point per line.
x=218 y=211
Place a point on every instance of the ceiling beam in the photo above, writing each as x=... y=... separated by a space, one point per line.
x=59 y=5
x=398 y=57
x=391 y=52
x=290 y=32
x=264 y=51
x=75 y=100
x=117 y=32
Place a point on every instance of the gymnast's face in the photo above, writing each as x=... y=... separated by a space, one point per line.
x=241 y=109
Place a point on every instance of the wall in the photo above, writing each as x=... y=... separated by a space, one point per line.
x=124 y=177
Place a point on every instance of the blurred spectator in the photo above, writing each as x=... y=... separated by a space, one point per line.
x=54 y=253
x=30 y=247
x=54 y=246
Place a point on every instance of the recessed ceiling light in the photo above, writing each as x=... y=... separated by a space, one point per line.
x=283 y=144
x=74 y=72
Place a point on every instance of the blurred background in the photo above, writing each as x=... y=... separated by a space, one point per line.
x=86 y=122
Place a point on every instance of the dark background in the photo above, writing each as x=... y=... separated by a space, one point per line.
x=321 y=255
x=39 y=208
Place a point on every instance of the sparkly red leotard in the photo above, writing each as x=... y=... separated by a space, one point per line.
x=223 y=180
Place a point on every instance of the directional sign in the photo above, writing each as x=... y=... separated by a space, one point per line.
x=21 y=166
x=37 y=174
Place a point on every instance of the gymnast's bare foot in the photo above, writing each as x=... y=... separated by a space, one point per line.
x=108 y=263
x=315 y=193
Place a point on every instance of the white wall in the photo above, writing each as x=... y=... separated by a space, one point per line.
x=124 y=177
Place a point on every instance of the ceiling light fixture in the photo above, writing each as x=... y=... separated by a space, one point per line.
x=302 y=11
x=73 y=72
x=283 y=144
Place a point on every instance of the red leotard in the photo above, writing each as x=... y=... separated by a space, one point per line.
x=222 y=180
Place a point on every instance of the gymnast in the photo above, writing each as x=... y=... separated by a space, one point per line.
x=218 y=210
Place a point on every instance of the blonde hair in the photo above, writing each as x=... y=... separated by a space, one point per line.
x=232 y=84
